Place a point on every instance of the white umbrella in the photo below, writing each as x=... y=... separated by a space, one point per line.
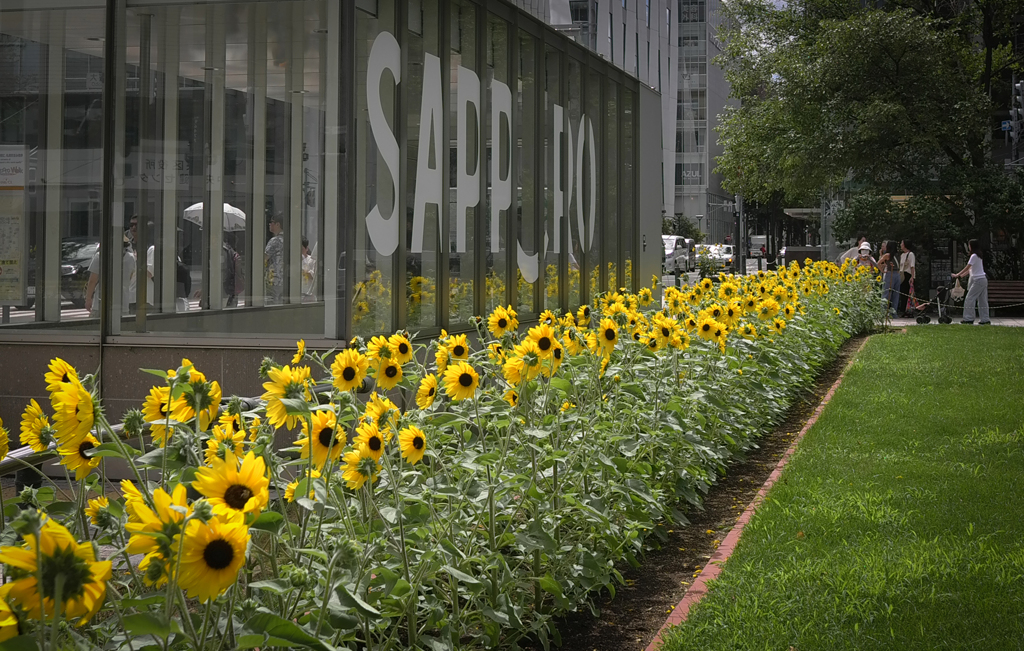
x=234 y=219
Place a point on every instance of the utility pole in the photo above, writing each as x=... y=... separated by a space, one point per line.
x=741 y=239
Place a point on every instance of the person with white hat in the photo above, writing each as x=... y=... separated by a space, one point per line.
x=864 y=258
x=853 y=252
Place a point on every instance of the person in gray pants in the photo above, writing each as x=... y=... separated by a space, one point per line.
x=977 y=291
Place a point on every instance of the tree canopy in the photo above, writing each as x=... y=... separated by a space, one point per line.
x=892 y=101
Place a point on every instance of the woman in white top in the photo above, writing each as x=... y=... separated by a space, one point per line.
x=908 y=272
x=977 y=291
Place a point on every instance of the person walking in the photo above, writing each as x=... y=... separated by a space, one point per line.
x=908 y=272
x=888 y=264
x=853 y=252
x=274 y=262
x=977 y=290
x=864 y=258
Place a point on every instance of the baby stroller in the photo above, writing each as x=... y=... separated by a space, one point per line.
x=941 y=304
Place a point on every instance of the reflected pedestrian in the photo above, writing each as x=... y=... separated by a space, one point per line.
x=273 y=258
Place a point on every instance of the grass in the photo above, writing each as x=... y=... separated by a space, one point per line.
x=899 y=523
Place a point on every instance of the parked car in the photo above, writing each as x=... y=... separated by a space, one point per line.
x=679 y=256
x=76 y=253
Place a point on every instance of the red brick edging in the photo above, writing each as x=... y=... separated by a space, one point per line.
x=714 y=567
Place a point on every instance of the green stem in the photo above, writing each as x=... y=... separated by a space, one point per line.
x=58 y=595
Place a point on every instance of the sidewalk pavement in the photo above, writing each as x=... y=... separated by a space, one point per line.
x=1010 y=321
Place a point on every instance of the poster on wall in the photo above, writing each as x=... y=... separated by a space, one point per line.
x=13 y=229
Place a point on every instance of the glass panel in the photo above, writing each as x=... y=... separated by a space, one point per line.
x=591 y=188
x=575 y=214
x=223 y=145
x=464 y=174
x=626 y=215
x=610 y=213
x=426 y=154
x=377 y=163
x=554 y=165
x=51 y=168
x=527 y=253
x=499 y=162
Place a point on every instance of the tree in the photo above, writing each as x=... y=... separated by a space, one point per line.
x=892 y=102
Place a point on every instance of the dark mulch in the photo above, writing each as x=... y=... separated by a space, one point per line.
x=641 y=606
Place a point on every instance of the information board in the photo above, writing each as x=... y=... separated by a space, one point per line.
x=13 y=227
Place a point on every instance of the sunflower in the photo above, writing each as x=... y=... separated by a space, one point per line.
x=300 y=351
x=544 y=336
x=224 y=444
x=441 y=357
x=707 y=328
x=511 y=397
x=652 y=341
x=378 y=350
x=767 y=309
x=645 y=296
x=165 y=518
x=748 y=331
x=5 y=440
x=359 y=467
x=460 y=381
x=458 y=348
x=706 y=285
x=55 y=552
x=204 y=400
x=211 y=555
x=60 y=373
x=749 y=303
x=368 y=436
x=607 y=336
x=326 y=440
x=73 y=456
x=731 y=313
x=778 y=325
x=285 y=382
x=789 y=310
x=289 y=490
x=35 y=428
x=413 y=442
x=401 y=347
x=389 y=374
x=548 y=317
x=233 y=490
x=156 y=410
x=728 y=290
x=499 y=322
x=349 y=369
x=427 y=392
x=380 y=410
x=96 y=508
x=8 y=619
x=74 y=413
x=557 y=355
x=583 y=315
x=495 y=352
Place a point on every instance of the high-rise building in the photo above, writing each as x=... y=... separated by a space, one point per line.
x=669 y=45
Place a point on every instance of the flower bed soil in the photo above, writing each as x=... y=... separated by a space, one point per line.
x=640 y=607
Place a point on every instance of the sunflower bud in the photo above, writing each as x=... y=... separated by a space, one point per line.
x=155 y=570
x=133 y=422
x=349 y=552
x=202 y=511
x=28 y=497
x=265 y=367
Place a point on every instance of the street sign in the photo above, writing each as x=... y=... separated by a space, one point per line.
x=1006 y=125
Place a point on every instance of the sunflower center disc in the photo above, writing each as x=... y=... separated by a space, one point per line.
x=237 y=496
x=84 y=447
x=417 y=442
x=458 y=351
x=326 y=436
x=466 y=379
x=391 y=371
x=544 y=343
x=558 y=353
x=374 y=443
x=349 y=374
x=502 y=323
x=218 y=554
x=609 y=334
x=664 y=332
x=431 y=392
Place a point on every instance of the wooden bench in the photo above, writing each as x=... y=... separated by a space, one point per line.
x=1005 y=292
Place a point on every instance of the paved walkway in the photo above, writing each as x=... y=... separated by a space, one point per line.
x=1010 y=321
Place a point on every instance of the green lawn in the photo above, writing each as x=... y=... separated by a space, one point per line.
x=899 y=523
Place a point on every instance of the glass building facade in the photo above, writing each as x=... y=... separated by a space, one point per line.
x=243 y=174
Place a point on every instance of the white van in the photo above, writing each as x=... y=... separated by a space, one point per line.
x=678 y=254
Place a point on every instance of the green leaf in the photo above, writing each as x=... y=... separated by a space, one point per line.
x=277 y=586
x=273 y=630
x=20 y=643
x=112 y=450
x=295 y=405
x=268 y=521
x=142 y=602
x=460 y=576
x=155 y=371
x=150 y=624
x=350 y=600
x=549 y=585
